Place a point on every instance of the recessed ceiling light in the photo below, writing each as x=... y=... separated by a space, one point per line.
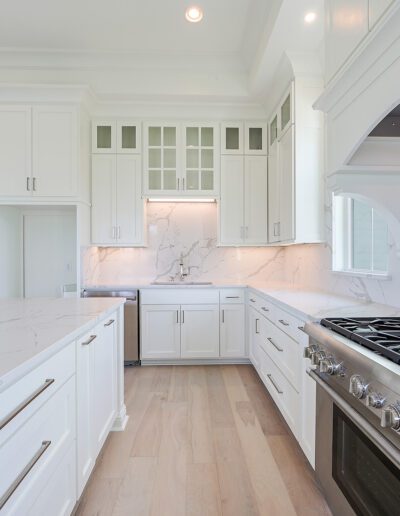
x=194 y=14
x=310 y=17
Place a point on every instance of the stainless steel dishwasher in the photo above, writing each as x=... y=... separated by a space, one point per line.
x=131 y=320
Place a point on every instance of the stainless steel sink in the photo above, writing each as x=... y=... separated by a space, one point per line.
x=182 y=283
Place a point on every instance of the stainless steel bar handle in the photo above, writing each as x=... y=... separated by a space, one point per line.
x=13 y=487
x=274 y=344
x=177 y=317
x=223 y=316
x=183 y=183
x=183 y=316
x=178 y=183
x=277 y=388
x=257 y=321
x=34 y=184
x=118 y=231
x=386 y=447
x=11 y=415
x=28 y=184
x=90 y=339
x=232 y=297
x=110 y=322
x=113 y=232
x=264 y=309
x=285 y=323
x=252 y=300
x=301 y=328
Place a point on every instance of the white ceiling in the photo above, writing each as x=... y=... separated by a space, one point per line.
x=142 y=27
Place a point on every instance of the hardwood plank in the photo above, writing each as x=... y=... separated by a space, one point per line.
x=135 y=493
x=271 y=421
x=99 y=497
x=148 y=437
x=299 y=477
x=270 y=491
x=201 y=439
x=178 y=390
x=161 y=381
x=169 y=498
x=203 y=497
x=220 y=411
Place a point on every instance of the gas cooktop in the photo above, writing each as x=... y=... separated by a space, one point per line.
x=380 y=334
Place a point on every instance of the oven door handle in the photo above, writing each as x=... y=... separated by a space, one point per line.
x=386 y=447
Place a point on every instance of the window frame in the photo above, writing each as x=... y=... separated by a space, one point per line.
x=343 y=241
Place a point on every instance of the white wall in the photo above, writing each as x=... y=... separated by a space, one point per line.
x=10 y=252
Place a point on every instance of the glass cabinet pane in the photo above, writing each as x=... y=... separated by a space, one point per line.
x=155 y=158
x=255 y=138
x=104 y=137
x=192 y=158
x=285 y=112
x=273 y=130
x=169 y=179
x=169 y=137
x=192 y=137
x=207 y=137
x=207 y=158
x=207 y=180
x=169 y=158
x=155 y=179
x=232 y=138
x=128 y=136
x=154 y=136
x=192 y=179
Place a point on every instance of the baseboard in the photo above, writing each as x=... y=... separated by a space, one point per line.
x=120 y=421
x=196 y=361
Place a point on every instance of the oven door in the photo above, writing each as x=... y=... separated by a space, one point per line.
x=357 y=467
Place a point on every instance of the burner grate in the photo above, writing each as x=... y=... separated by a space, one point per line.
x=381 y=335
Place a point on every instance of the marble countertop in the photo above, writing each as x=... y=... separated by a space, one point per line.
x=33 y=329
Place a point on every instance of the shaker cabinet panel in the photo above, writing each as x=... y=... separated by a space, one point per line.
x=377 y=9
x=231 y=209
x=160 y=331
x=232 y=331
x=15 y=150
x=199 y=331
x=256 y=200
x=286 y=172
x=129 y=204
x=103 y=199
x=55 y=151
x=273 y=194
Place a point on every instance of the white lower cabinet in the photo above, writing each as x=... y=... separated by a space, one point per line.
x=160 y=331
x=232 y=337
x=199 y=331
x=96 y=404
x=253 y=337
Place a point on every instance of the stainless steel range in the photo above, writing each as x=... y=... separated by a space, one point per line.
x=355 y=363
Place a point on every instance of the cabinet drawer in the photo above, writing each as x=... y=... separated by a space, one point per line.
x=289 y=324
x=283 y=350
x=182 y=296
x=231 y=295
x=264 y=307
x=34 y=450
x=284 y=395
x=22 y=399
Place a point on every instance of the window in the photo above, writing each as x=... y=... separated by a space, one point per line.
x=360 y=238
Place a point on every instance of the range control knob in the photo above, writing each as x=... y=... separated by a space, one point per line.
x=391 y=417
x=317 y=357
x=330 y=366
x=375 y=400
x=358 y=388
x=310 y=350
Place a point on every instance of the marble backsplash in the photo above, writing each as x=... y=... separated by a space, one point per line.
x=191 y=229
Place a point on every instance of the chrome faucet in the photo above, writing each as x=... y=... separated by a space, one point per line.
x=182 y=273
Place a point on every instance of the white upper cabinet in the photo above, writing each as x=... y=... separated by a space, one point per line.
x=286 y=187
x=15 y=150
x=376 y=10
x=346 y=26
x=117 y=206
x=161 y=167
x=256 y=200
x=55 y=151
x=231 y=205
x=39 y=151
x=116 y=136
x=244 y=138
x=273 y=193
x=201 y=160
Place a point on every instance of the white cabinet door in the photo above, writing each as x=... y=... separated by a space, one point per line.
x=199 y=331
x=232 y=331
x=308 y=416
x=55 y=151
x=103 y=199
x=232 y=138
x=253 y=332
x=86 y=455
x=376 y=9
x=256 y=200
x=273 y=193
x=128 y=137
x=231 y=206
x=160 y=331
x=346 y=26
x=104 y=139
x=286 y=172
x=15 y=151
x=129 y=204
x=104 y=382
x=255 y=138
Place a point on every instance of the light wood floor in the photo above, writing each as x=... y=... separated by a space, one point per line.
x=201 y=441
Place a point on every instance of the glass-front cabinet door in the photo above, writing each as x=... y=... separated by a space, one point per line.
x=232 y=138
x=104 y=136
x=128 y=137
x=255 y=136
x=286 y=111
x=161 y=168
x=201 y=170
